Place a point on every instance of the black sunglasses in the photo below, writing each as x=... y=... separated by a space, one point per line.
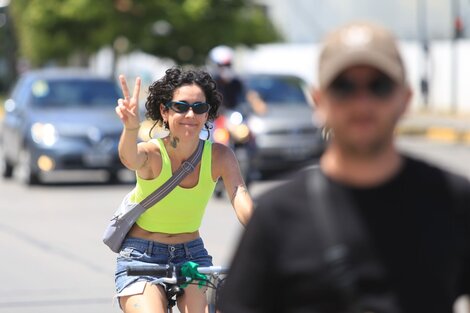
x=380 y=87
x=183 y=107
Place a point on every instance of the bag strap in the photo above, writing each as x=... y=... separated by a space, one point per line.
x=326 y=201
x=331 y=205
x=339 y=227
x=187 y=167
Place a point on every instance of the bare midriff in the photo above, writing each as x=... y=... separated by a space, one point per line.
x=170 y=239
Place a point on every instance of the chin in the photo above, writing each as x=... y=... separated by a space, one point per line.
x=190 y=134
x=367 y=148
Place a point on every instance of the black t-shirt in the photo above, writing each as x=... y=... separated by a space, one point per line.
x=417 y=224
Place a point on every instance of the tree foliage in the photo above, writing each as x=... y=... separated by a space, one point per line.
x=184 y=30
x=8 y=51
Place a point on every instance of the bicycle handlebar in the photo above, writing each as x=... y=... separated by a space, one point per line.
x=168 y=271
x=151 y=270
x=213 y=270
x=175 y=278
x=171 y=280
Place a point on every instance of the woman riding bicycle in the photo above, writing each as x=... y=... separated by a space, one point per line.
x=183 y=101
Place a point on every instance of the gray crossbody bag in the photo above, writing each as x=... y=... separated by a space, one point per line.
x=128 y=212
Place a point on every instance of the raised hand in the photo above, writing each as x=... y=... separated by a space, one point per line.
x=128 y=108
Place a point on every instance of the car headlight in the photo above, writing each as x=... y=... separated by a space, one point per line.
x=236 y=118
x=256 y=125
x=44 y=134
x=241 y=133
x=221 y=135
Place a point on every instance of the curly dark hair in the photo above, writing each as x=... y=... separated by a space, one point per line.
x=162 y=90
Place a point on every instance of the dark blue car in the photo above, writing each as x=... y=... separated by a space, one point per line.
x=60 y=119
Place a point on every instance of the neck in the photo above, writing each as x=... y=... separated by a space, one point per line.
x=361 y=170
x=180 y=149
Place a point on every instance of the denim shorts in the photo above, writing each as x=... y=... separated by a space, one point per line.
x=135 y=251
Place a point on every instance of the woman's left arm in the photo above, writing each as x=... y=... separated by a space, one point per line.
x=237 y=191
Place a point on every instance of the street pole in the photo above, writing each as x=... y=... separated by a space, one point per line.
x=423 y=34
x=454 y=54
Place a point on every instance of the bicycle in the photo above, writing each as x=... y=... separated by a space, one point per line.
x=175 y=278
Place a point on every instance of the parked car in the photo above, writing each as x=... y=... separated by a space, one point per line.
x=60 y=119
x=280 y=116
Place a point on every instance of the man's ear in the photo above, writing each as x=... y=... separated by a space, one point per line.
x=316 y=96
x=407 y=95
x=318 y=104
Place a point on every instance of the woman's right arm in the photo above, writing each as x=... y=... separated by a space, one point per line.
x=132 y=155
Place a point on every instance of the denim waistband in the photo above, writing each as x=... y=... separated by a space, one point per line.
x=154 y=247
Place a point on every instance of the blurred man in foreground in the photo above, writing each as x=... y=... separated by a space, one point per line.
x=370 y=229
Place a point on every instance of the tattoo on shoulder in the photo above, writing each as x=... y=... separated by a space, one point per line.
x=238 y=189
x=174 y=141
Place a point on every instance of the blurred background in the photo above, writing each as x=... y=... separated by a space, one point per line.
x=146 y=37
x=55 y=123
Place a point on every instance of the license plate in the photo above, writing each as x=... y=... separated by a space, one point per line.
x=296 y=153
x=96 y=159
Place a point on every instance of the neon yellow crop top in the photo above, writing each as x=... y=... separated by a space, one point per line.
x=181 y=211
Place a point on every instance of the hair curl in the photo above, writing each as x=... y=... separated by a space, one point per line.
x=162 y=91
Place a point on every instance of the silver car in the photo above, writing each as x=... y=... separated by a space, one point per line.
x=60 y=119
x=281 y=121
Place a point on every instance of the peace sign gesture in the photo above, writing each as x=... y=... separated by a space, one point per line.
x=128 y=108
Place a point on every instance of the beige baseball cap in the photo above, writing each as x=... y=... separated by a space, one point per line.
x=360 y=43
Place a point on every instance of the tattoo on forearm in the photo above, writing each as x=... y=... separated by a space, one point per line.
x=123 y=160
x=238 y=189
x=174 y=141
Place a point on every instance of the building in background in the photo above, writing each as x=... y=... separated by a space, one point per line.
x=438 y=64
x=306 y=21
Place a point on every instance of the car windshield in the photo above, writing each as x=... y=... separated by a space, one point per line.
x=278 y=90
x=74 y=92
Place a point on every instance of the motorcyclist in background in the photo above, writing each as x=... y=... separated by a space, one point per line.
x=230 y=128
x=228 y=83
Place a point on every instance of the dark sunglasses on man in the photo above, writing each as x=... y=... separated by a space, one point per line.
x=380 y=87
x=183 y=107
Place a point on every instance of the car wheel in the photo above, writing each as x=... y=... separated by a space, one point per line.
x=26 y=173
x=113 y=178
x=6 y=169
